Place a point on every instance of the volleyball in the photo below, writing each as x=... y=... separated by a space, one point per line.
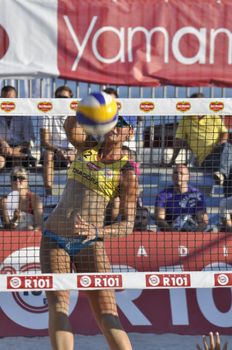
x=97 y=113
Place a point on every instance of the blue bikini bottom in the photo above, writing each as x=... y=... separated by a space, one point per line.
x=72 y=245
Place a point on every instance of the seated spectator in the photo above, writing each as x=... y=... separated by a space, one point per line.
x=206 y=136
x=16 y=135
x=142 y=218
x=181 y=207
x=225 y=211
x=21 y=209
x=57 y=151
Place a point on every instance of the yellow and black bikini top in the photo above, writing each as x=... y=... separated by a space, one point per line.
x=95 y=175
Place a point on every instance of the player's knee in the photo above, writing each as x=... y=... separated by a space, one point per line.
x=109 y=321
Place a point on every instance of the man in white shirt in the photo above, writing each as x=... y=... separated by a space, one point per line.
x=16 y=135
x=57 y=151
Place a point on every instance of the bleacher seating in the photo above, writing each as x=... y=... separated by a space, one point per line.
x=152 y=181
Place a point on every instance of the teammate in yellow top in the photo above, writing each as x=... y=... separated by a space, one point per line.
x=206 y=136
x=75 y=231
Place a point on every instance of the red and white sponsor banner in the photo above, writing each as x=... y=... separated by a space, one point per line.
x=169 y=308
x=126 y=106
x=118 y=42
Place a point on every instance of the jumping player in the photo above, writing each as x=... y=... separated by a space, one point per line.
x=75 y=232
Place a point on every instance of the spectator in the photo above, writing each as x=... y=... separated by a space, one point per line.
x=57 y=151
x=21 y=209
x=206 y=136
x=16 y=135
x=214 y=343
x=111 y=91
x=181 y=207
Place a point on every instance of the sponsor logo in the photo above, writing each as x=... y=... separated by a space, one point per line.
x=99 y=281
x=183 y=106
x=109 y=173
x=8 y=106
x=119 y=105
x=147 y=106
x=87 y=177
x=85 y=281
x=73 y=105
x=223 y=279
x=93 y=166
x=29 y=282
x=45 y=106
x=97 y=32
x=216 y=106
x=168 y=280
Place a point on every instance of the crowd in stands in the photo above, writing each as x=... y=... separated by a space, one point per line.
x=179 y=207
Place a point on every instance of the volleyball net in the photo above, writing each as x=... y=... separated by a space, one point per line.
x=179 y=240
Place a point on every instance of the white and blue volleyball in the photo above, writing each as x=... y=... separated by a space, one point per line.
x=97 y=113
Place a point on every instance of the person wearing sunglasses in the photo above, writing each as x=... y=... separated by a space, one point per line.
x=57 y=152
x=74 y=232
x=21 y=209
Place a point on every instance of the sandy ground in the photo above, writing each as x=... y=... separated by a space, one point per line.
x=97 y=342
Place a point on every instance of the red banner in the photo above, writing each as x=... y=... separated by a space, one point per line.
x=158 y=311
x=144 y=43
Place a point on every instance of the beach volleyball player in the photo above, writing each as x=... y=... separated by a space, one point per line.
x=74 y=232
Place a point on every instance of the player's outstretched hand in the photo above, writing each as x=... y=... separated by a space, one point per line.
x=214 y=343
x=83 y=228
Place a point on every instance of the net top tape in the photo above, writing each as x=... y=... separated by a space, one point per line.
x=136 y=280
x=127 y=106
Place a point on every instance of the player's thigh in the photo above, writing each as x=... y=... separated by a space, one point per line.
x=102 y=302
x=95 y=259
x=53 y=259
x=92 y=259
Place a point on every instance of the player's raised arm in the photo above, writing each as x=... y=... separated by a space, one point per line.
x=75 y=132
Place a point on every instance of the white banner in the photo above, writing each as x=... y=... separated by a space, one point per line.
x=118 y=42
x=28 y=31
x=126 y=106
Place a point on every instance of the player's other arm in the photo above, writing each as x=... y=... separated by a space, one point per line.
x=77 y=135
x=128 y=194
